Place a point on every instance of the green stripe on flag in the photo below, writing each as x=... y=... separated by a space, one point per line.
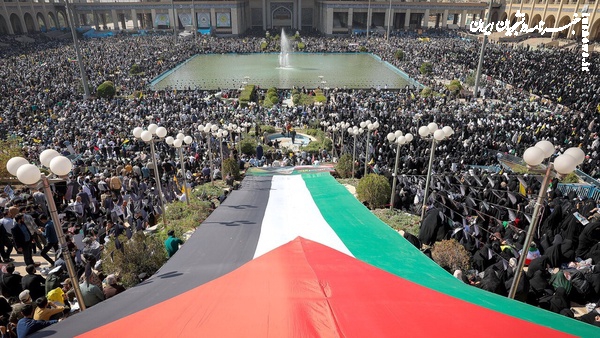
x=372 y=241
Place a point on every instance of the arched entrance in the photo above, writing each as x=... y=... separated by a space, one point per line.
x=536 y=19
x=494 y=17
x=15 y=23
x=3 y=25
x=565 y=20
x=549 y=22
x=29 y=23
x=513 y=19
x=504 y=16
x=41 y=22
x=281 y=17
x=62 y=20
x=52 y=21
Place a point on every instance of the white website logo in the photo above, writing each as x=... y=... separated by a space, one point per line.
x=514 y=30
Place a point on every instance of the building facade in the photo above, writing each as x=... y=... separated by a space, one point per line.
x=235 y=17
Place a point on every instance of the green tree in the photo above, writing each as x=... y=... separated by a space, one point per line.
x=248 y=146
x=136 y=69
x=8 y=149
x=106 y=90
x=231 y=166
x=451 y=255
x=399 y=55
x=301 y=45
x=426 y=68
x=140 y=254
x=454 y=87
x=426 y=92
x=375 y=190
x=344 y=166
x=470 y=81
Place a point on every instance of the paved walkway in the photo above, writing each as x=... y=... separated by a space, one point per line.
x=20 y=264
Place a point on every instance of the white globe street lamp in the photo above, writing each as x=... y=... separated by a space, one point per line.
x=432 y=132
x=178 y=143
x=148 y=137
x=400 y=140
x=563 y=164
x=370 y=128
x=30 y=174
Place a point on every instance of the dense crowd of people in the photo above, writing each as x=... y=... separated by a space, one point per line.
x=528 y=94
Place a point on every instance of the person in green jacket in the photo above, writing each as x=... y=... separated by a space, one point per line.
x=172 y=243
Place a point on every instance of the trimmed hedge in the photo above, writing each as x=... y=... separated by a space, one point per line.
x=106 y=90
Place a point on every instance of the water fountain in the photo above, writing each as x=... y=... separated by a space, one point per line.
x=284 y=54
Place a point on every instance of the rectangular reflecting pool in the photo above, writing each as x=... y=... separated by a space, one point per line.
x=229 y=71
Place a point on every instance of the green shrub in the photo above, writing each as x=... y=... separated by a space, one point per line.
x=141 y=254
x=454 y=87
x=399 y=55
x=344 y=166
x=296 y=99
x=248 y=146
x=426 y=92
x=426 y=68
x=451 y=255
x=9 y=148
x=313 y=132
x=247 y=95
x=570 y=178
x=136 y=69
x=106 y=90
x=320 y=99
x=268 y=129
x=231 y=166
x=301 y=45
x=267 y=103
x=362 y=49
x=263 y=45
x=470 y=81
x=375 y=190
x=399 y=220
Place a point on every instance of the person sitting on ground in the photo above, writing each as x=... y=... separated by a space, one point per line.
x=27 y=325
x=24 y=299
x=91 y=293
x=33 y=282
x=112 y=288
x=46 y=310
x=10 y=282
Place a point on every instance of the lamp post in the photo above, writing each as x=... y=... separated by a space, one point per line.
x=368 y=18
x=194 y=20
x=354 y=131
x=387 y=37
x=481 y=53
x=220 y=134
x=84 y=79
x=29 y=174
x=333 y=129
x=208 y=129
x=431 y=131
x=178 y=142
x=148 y=137
x=399 y=139
x=174 y=22
x=563 y=164
x=371 y=126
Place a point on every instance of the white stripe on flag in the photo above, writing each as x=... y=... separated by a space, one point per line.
x=291 y=212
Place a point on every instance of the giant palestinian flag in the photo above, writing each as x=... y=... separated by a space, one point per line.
x=299 y=256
